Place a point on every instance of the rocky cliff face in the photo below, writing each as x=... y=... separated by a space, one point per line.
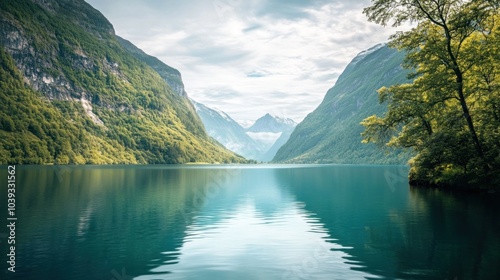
x=33 y=53
x=36 y=56
x=64 y=57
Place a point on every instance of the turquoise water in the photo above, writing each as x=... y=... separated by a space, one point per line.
x=245 y=222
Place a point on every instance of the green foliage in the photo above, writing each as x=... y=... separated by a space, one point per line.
x=143 y=120
x=449 y=113
x=332 y=133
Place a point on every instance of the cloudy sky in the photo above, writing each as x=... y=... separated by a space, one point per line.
x=250 y=57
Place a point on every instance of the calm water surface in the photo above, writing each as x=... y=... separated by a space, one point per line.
x=245 y=222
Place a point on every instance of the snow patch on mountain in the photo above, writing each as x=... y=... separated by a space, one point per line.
x=284 y=120
x=259 y=140
x=269 y=123
x=223 y=114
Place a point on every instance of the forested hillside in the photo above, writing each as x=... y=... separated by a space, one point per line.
x=450 y=113
x=71 y=93
x=332 y=132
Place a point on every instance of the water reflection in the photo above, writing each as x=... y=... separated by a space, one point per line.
x=398 y=232
x=251 y=222
x=255 y=230
x=96 y=220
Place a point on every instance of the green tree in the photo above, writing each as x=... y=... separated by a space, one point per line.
x=449 y=113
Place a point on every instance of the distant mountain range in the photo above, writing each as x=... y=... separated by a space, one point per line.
x=228 y=132
x=259 y=142
x=331 y=133
x=72 y=92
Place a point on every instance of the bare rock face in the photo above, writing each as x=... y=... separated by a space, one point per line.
x=74 y=94
x=36 y=57
x=33 y=63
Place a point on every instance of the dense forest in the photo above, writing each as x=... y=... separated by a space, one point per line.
x=72 y=94
x=450 y=114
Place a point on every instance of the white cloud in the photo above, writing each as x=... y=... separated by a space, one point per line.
x=236 y=55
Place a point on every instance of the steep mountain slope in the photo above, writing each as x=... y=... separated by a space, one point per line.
x=71 y=93
x=269 y=123
x=331 y=133
x=269 y=133
x=228 y=132
x=271 y=152
x=171 y=75
x=273 y=132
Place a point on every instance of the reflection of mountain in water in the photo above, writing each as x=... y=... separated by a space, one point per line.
x=421 y=234
x=290 y=222
x=251 y=228
x=89 y=222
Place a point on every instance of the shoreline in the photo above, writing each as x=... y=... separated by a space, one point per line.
x=478 y=189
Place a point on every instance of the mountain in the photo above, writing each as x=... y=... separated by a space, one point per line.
x=271 y=152
x=331 y=133
x=272 y=132
x=269 y=123
x=267 y=134
x=228 y=132
x=171 y=75
x=71 y=91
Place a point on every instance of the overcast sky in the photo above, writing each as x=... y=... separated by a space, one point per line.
x=251 y=57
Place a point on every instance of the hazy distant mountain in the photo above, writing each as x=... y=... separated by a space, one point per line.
x=246 y=123
x=272 y=132
x=271 y=152
x=269 y=123
x=331 y=133
x=259 y=142
x=228 y=132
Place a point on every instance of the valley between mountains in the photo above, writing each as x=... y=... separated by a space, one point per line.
x=73 y=92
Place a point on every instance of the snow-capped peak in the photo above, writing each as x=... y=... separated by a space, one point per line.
x=245 y=123
x=223 y=114
x=270 y=123
x=284 y=120
x=200 y=107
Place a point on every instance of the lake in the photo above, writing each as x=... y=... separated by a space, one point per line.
x=245 y=222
